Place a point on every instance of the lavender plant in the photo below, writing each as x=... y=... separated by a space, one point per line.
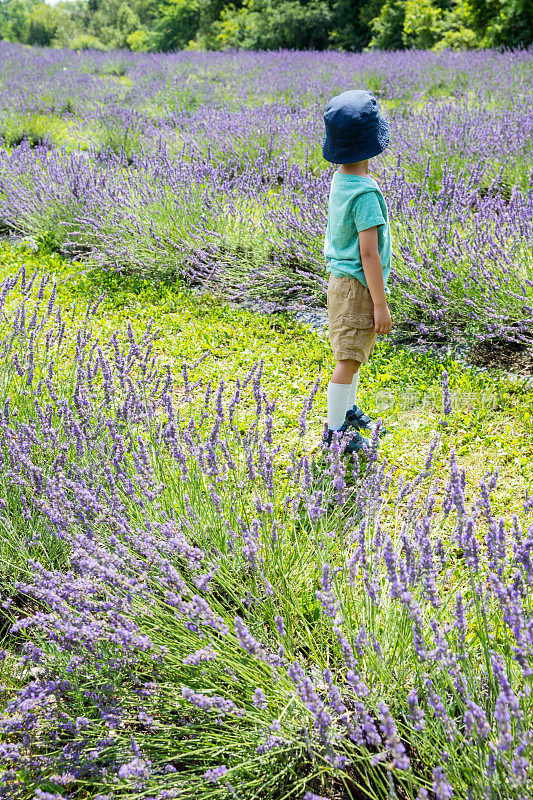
x=184 y=615
x=207 y=166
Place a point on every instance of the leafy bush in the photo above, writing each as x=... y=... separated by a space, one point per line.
x=387 y=27
x=85 y=41
x=15 y=129
x=178 y=24
x=270 y=25
x=421 y=26
x=138 y=41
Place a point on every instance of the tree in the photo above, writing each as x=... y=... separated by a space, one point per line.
x=292 y=25
x=43 y=22
x=86 y=42
x=178 y=24
x=354 y=25
x=14 y=20
x=421 y=26
x=138 y=41
x=271 y=24
x=182 y=21
x=501 y=22
x=387 y=27
x=147 y=11
x=127 y=22
x=456 y=32
x=112 y=23
x=351 y=22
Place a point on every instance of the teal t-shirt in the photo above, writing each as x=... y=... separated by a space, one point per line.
x=355 y=204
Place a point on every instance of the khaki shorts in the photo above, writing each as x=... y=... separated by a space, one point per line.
x=351 y=319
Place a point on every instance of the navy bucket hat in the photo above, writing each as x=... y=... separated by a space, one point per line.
x=355 y=130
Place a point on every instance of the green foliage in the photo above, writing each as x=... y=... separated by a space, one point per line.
x=162 y=25
x=124 y=140
x=294 y=25
x=43 y=23
x=491 y=422
x=86 y=42
x=138 y=41
x=404 y=386
x=387 y=27
x=36 y=128
x=487 y=23
x=368 y=11
x=179 y=23
x=113 y=22
x=414 y=23
x=183 y=23
x=455 y=30
x=421 y=26
x=14 y=20
x=273 y=24
x=502 y=22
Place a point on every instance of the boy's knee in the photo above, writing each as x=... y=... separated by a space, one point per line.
x=350 y=364
x=345 y=370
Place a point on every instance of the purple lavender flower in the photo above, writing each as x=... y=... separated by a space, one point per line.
x=502 y=717
x=271 y=742
x=138 y=768
x=475 y=716
x=442 y=788
x=519 y=763
x=149 y=506
x=214 y=774
x=415 y=711
x=309 y=695
x=214 y=702
x=302 y=420
x=327 y=596
x=393 y=743
x=246 y=640
x=259 y=699
x=200 y=656
x=280 y=625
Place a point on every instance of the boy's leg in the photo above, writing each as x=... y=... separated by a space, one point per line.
x=340 y=390
x=353 y=393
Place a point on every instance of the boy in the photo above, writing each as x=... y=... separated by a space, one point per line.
x=357 y=248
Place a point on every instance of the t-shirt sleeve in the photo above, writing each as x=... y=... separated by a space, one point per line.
x=367 y=211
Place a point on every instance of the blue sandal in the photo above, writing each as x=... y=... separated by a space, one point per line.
x=356 y=418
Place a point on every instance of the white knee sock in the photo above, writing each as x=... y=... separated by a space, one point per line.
x=353 y=393
x=338 y=397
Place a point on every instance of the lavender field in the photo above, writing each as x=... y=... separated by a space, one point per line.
x=196 y=600
x=208 y=167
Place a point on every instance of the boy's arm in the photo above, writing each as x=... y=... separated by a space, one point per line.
x=373 y=269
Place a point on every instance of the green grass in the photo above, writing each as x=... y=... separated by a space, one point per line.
x=37 y=128
x=491 y=426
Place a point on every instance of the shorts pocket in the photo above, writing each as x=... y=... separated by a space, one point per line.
x=359 y=320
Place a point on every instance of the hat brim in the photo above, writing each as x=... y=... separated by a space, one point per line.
x=349 y=154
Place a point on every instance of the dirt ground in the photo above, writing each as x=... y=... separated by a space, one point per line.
x=509 y=356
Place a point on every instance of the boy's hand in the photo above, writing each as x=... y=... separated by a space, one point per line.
x=382 y=319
